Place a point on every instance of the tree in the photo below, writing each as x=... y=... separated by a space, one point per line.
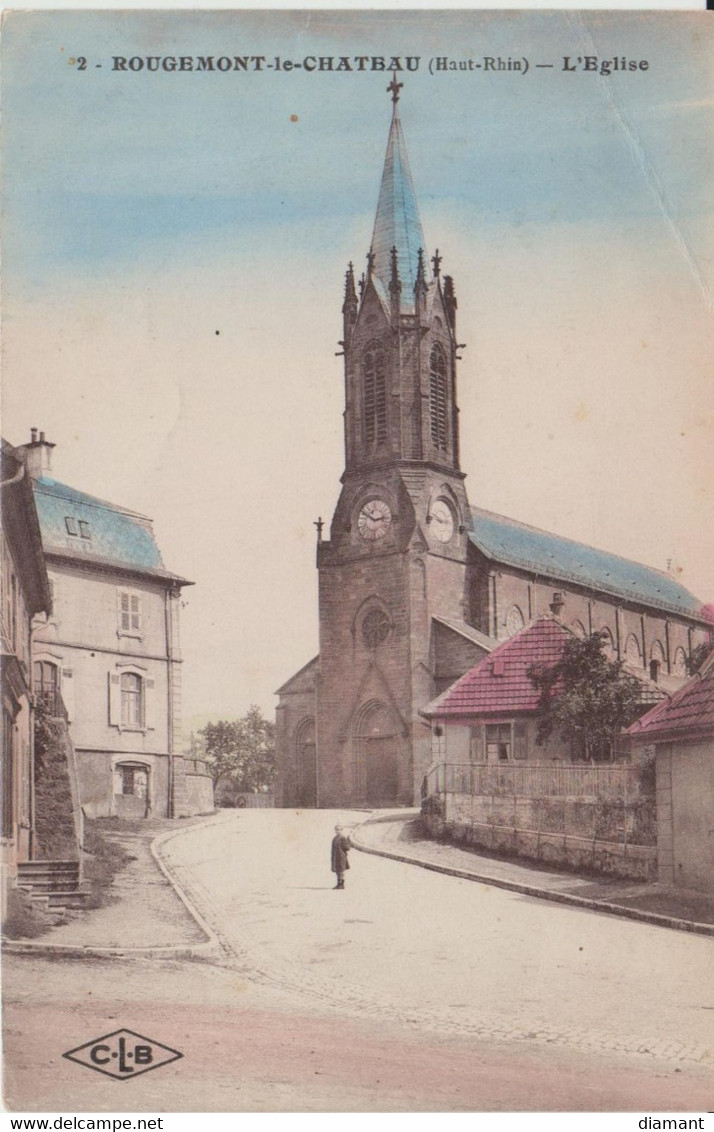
x=699 y=654
x=586 y=697
x=241 y=753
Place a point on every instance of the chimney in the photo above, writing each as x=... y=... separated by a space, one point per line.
x=37 y=454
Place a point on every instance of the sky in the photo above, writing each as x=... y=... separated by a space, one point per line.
x=173 y=259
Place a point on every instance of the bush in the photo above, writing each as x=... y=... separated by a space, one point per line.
x=24 y=920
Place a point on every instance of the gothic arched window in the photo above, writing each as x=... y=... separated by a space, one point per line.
x=633 y=654
x=375 y=396
x=438 y=398
x=514 y=621
x=657 y=660
x=608 y=644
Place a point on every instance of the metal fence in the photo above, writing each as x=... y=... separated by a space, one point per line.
x=535 y=780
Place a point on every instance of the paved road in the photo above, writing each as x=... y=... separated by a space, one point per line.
x=450 y=955
x=407 y=992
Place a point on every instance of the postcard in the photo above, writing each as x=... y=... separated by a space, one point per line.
x=358 y=513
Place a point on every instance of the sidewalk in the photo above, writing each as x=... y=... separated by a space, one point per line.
x=167 y=927
x=397 y=835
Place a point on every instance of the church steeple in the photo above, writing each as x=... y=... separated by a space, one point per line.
x=397 y=224
x=399 y=339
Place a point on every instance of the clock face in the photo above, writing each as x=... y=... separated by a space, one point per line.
x=374 y=519
x=442 y=520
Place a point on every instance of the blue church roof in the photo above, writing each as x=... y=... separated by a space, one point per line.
x=397 y=223
x=79 y=526
x=538 y=552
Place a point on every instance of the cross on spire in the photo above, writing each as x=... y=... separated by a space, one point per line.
x=394 y=88
x=436 y=261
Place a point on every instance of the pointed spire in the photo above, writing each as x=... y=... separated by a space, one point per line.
x=397 y=223
x=420 y=287
x=350 y=292
x=421 y=275
x=450 y=300
x=350 y=305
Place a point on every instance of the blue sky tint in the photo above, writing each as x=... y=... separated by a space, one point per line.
x=174 y=252
x=166 y=155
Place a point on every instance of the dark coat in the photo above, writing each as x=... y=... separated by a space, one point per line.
x=340 y=846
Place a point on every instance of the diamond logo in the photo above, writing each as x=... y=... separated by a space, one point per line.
x=123 y=1054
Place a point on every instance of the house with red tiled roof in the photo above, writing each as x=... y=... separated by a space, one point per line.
x=489 y=714
x=681 y=729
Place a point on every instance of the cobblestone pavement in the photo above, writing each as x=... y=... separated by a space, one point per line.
x=398 y=835
x=443 y=953
x=409 y=991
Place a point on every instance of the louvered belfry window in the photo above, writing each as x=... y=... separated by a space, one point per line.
x=375 y=397
x=437 y=398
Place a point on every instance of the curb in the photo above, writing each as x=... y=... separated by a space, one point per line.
x=204 y=951
x=655 y=918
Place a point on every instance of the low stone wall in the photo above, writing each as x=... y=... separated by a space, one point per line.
x=607 y=837
x=199 y=793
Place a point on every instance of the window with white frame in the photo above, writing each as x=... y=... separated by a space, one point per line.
x=506 y=741
x=131 y=699
x=129 y=613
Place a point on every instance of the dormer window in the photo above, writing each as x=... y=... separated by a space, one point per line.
x=77 y=528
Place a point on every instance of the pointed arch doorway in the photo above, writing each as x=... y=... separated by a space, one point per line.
x=376 y=748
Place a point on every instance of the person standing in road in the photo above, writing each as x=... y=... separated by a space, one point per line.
x=339 y=861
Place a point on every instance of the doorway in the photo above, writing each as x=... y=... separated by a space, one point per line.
x=376 y=747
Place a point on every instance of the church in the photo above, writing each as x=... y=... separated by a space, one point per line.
x=416 y=585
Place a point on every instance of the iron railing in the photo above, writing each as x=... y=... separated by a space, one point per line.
x=535 y=780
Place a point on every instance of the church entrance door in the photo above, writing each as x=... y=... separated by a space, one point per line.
x=376 y=755
x=381 y=771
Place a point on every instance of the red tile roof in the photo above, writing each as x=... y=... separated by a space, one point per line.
x=689 y=713
x=499 y=683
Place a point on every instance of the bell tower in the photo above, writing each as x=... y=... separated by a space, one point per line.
x=396 y=556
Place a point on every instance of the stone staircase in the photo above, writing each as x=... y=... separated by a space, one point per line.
x=53 y=886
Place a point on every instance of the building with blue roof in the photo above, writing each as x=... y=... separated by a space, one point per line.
x=110 y=650
x=416 y=585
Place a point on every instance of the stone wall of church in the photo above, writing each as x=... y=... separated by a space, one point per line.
x=355 y=675
x=453 y=655
x=639 y=635
x=295 y=712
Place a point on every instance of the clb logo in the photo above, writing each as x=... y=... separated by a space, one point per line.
x=123 y=1055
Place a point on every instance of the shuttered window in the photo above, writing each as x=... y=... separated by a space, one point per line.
x=438 y=398
x=520 y=748
x=375 y=397
x=129 y=611
x=132 y=701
